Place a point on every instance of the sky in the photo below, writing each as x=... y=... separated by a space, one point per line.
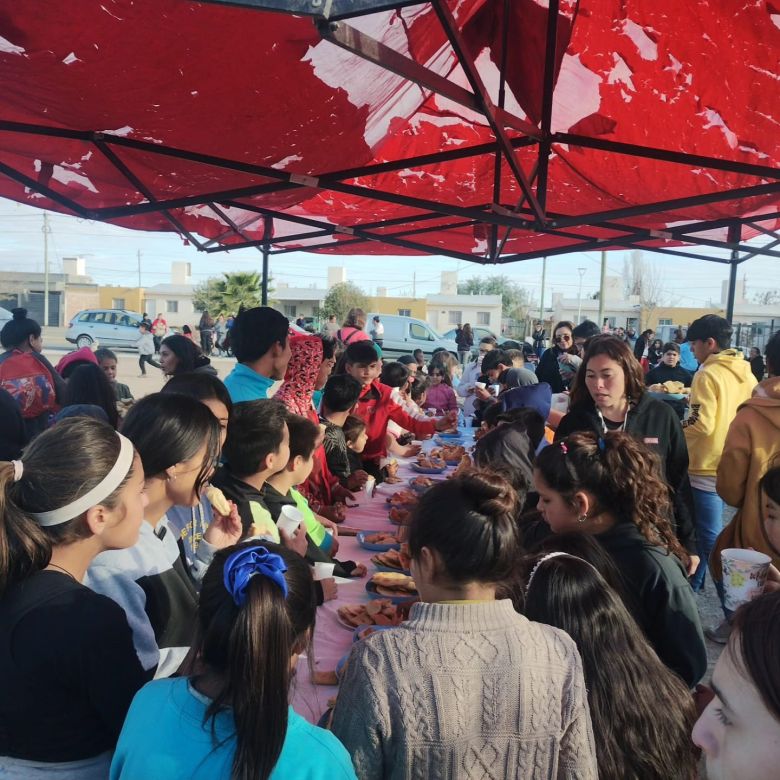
x=111 y=258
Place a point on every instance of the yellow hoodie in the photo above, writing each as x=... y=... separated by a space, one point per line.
x=722 y=383
x=752 y=445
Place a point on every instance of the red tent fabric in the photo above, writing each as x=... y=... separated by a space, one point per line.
x=231 y=115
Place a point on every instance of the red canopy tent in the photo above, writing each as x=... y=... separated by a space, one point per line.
x=485 y=130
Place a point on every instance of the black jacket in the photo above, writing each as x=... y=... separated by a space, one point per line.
x=655 y=424
x=547 y=370
x=639 y=347
x=663 y=373
x=664 y=604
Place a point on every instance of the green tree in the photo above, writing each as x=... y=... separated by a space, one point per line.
x=515 y=299
x=229 y=294
x=343 y=297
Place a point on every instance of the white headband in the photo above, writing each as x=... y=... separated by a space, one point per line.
x=547 y=557
x=100 y=492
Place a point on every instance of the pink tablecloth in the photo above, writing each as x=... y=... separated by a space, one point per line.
x=331 y=639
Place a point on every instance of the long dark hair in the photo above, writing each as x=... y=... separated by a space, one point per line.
x=88 y=384
x=770 y=485
x=642 y=712
x=167 y=429
x=618 y=350
x=622 y=474
x=60 y=465
x=188 y=354
x=248 y=648
x=202 y=387
x=482 y=507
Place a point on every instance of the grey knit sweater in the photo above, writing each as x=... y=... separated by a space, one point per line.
x=466 y=690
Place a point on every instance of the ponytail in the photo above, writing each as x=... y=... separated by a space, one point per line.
x=622 y=474
x=470 y=521
x=247 y=640
x=59 y=466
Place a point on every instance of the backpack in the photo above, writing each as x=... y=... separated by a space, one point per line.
x=29 y=382
x=344 y=342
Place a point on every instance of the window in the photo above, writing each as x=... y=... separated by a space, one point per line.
x=404 y=312
x=172 y=307
x=665 y=322
x=455 y=317
x=419 y=332
x=483 y=318
x=117 y=303
x=97 y=316
x=289 y=310
x=126 y=321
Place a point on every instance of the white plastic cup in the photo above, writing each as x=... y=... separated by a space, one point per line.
x=480 y=385
x=495 y=389
x=369 y=487
x=744 y=575
x=289 y=520
x=323 y=571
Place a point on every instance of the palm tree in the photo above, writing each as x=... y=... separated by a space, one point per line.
x=228 y=295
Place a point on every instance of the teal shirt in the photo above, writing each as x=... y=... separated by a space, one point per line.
x=243 y=384
x=164 y=738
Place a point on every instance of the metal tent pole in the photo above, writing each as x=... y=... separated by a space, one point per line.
x=734 y=235
x=268 y=226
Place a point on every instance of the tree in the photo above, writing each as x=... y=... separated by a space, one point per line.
x=515 y=299
x=767 y=297
x=643 y=279
x=228 y=295
x=341 y=298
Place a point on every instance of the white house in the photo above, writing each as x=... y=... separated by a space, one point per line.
x=174 y=301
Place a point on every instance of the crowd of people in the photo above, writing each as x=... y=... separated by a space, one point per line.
x=154 y=606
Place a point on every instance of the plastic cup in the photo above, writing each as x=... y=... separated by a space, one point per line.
x=495 y=389
x=369 y=487
x=289 y=520
x=480 y=385
x=744 y=575
x=323 y=571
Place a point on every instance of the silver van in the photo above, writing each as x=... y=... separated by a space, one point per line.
x=403 y=335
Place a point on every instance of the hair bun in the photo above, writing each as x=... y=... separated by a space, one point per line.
x=489 y=492
x=19 y=313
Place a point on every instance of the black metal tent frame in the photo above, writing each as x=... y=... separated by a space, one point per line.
x=498 y=219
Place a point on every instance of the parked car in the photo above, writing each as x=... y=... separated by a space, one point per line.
x=5 y=316
x=479 y=334
x=405 y=334
x=108 y=327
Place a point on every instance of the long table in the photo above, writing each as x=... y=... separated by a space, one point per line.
x=332 y=640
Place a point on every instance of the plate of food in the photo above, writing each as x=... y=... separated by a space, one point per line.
x=450 y=435
x=400 y=515
x=669 y=390
x=441 y=439
x=421 y=484
x=389 y=561
x=378 y=541
x=403 y=498
x=427 y=464
x=451 y=454
x=378 y=612
x=397 y=587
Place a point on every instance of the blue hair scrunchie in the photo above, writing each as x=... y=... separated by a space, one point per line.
x=242 y=565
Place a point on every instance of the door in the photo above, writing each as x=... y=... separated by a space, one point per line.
x=126 y=329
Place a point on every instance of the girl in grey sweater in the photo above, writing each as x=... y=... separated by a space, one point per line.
x=466 y=688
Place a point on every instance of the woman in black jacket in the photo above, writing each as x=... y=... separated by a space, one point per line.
x=609 y=395
x=548 y=369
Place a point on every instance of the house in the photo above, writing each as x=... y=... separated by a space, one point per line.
x=174 y=300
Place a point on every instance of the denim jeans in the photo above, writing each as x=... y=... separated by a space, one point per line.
x=709 y=523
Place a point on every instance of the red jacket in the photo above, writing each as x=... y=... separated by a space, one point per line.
x=376 y=407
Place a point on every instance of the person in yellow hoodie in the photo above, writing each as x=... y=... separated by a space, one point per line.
x=752 y=448
x=723 y=382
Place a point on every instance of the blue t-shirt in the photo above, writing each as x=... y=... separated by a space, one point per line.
x=243 y=384
x=164 y=738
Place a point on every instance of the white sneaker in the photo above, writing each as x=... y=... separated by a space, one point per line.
x=719 y=633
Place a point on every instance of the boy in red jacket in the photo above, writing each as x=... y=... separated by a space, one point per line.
x=376 y=407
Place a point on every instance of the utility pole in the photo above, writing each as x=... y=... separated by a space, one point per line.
x=541 y=298
x=601 y=287
x=139 y=272
x=414 y=284
x=45 y=269
x=581 y=272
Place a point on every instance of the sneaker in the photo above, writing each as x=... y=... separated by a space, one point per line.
x=719 y=633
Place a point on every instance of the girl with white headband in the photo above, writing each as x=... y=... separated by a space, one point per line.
x=648 y=734
x=68 y=669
